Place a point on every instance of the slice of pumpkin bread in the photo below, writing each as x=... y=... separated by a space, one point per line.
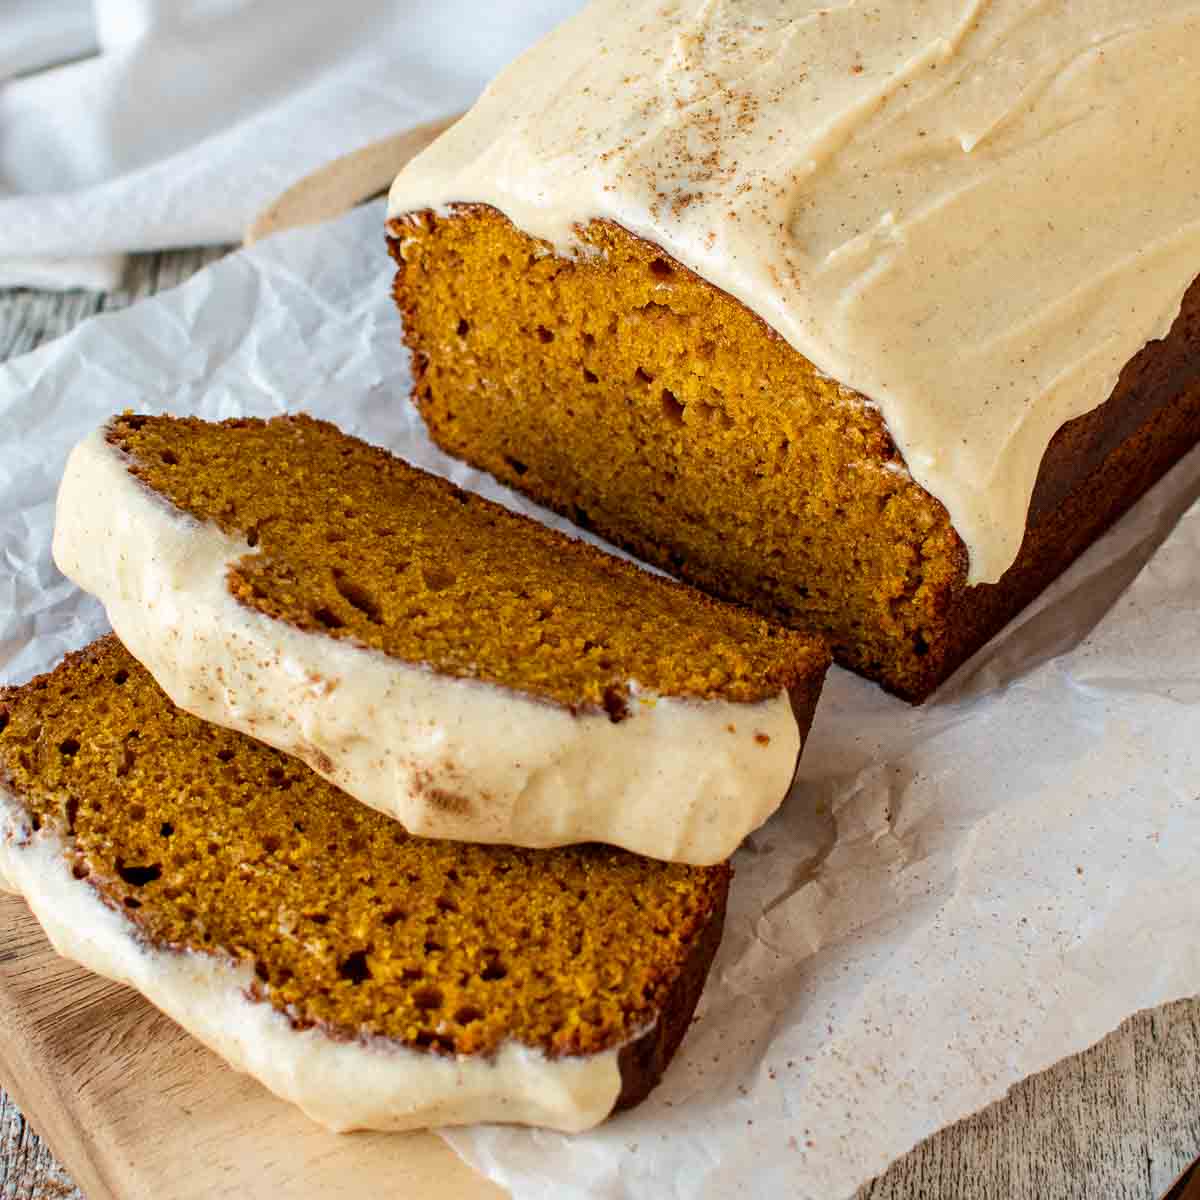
x=453 y=664
x=376 y=979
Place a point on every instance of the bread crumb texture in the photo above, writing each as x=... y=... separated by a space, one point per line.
x=629 y=394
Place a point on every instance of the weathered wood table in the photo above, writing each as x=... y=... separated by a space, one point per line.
x=1117 y=1123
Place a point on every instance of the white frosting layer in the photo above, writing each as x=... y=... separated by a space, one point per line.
x=973 y=212
x=342 y=1085
x=679 y=779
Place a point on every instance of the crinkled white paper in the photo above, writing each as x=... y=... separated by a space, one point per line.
x=954 y=896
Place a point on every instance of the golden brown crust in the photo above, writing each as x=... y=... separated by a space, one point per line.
x=643 y=1062
x=833 y=535
x=1100 y=487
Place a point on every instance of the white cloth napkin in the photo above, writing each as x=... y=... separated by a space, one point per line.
x=194 y=114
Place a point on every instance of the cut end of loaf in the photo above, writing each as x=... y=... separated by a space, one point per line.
x=628 y=394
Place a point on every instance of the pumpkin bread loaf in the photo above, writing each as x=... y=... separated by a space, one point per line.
x=376 y=979
x=628 y=394
x=458 y=666
x=640 y=279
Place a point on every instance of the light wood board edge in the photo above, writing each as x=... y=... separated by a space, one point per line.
x=137 y=1110
x=345 y=182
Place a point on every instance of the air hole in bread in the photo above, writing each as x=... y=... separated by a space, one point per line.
x=427 y=998
x=328 y=618
x=671 y=407
x=169 y=457
x=661 y=268
x=355 y=967
x=137 y=876
x=464 y=327
x=517 y=465
x=544 y=334
x=643 y=376
x=590 y=376
x=466 y=1015
x=225 y=755
x=68 y=747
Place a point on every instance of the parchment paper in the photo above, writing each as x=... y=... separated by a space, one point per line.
x=953 y=897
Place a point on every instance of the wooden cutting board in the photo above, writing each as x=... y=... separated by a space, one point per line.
x=136 y=1109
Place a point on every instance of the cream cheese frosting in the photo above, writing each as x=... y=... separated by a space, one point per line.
x=343 y=1085
x=679 y=779
x=972 y=212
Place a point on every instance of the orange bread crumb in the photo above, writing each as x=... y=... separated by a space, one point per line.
x=352 y=542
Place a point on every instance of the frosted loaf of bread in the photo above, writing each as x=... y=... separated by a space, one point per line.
x=875 y=259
